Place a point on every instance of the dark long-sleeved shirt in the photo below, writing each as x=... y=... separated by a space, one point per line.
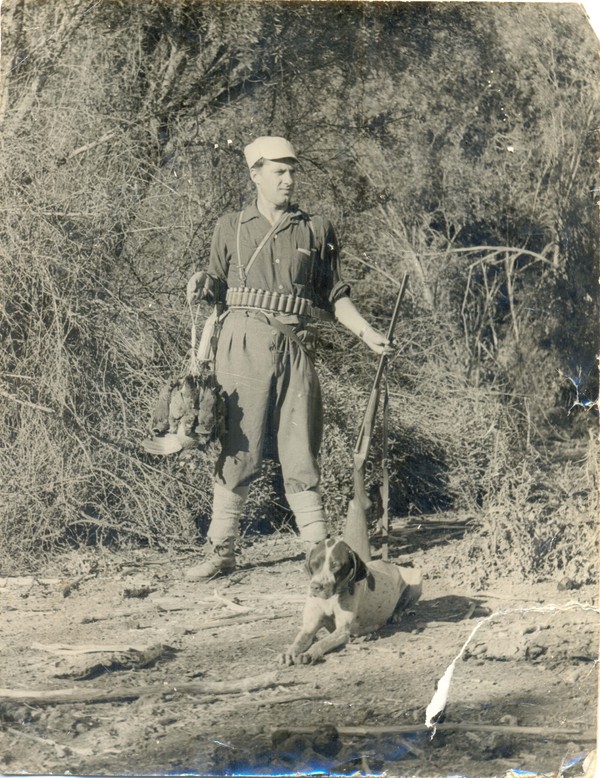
x=295 y=260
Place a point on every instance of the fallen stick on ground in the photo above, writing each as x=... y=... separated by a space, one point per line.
x=63 y=649
x=413 y=748
x=570 y=734
x=72 y=586
x=59 y=696
x=34 y=610
x=114 y=615
x=283 y=599
x=287 y=698
x=88 y=664
x=12 y=581
x=52 y=743
x=171 y=604
x=226 y=621
x=412 y=529
x=235 y=606
x=145 y=563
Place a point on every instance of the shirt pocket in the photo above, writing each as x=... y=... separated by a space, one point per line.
x=302 y=265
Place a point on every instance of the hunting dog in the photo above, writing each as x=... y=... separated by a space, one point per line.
x=348 y=597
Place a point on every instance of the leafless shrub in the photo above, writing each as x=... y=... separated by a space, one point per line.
x=541 y=524
x=114 y=169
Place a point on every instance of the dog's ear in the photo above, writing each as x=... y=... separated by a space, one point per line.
x=310 y=563
x=307 y=567
x=358 y=571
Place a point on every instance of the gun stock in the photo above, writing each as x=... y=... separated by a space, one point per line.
x=356 y=532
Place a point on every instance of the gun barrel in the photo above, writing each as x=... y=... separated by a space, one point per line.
x=374 y=396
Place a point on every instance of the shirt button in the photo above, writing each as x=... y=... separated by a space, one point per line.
x=277 y=261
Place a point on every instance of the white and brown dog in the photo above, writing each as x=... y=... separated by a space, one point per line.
x=348 y=597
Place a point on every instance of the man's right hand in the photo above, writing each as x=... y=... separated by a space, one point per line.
x=199 y=287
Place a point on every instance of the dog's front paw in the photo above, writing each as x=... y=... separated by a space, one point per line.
x=287 y=658
x=309 y=658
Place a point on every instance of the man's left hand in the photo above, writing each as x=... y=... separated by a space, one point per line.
x=377 y=342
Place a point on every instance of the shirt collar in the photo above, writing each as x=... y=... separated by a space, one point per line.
x=252 y=212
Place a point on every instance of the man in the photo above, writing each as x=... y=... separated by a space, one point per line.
x=274 y=269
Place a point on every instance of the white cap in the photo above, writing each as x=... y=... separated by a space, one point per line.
x=269 y=147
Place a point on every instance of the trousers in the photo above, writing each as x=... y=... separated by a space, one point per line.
x=269 y=383
x=270 y=387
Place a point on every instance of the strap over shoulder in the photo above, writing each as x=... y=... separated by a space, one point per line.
x=243 y=271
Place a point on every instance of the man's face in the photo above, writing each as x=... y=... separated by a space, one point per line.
x=275 y=181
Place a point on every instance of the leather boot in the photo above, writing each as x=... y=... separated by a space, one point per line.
x=219 y=560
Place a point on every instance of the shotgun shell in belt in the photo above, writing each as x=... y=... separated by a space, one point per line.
x=266 y=303
x=251 y=298
x=289 y=303
x=260 y=296
x=235 y=296
x=274 y=301
x=282 y=302
x=297 y=305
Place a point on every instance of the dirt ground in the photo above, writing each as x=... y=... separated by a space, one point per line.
x=122 y=667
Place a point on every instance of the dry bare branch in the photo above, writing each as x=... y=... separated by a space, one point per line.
x=87 y=695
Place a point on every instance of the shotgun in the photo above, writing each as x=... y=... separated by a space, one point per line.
x=356 y=527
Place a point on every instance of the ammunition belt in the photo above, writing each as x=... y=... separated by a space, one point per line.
x=273 y=302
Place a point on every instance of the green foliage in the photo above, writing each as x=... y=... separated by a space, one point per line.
x=455 y=142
